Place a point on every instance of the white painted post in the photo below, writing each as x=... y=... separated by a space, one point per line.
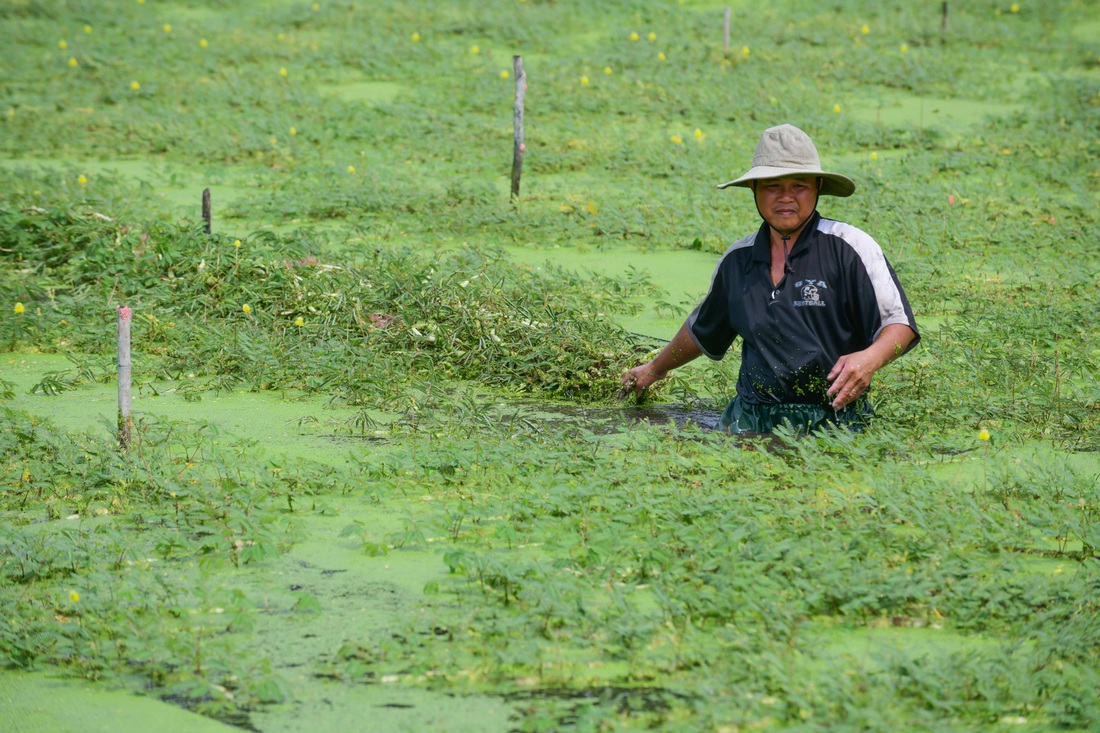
x=518 y=147
x=726 y=33
x=125 y=422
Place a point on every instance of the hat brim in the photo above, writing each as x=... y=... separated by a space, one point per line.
x=833 y=184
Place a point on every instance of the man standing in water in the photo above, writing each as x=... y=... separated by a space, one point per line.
x=818 y=308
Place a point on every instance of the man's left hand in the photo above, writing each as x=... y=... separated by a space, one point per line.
x=851 y=377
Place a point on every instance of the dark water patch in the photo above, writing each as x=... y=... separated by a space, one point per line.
x=624 y=700
x=1078 y=555
x=609 y=420
x=612 y=420
x=947 y=450
x=354 y=438
x=236 y=717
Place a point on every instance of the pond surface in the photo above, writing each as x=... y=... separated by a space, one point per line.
x=40 y=703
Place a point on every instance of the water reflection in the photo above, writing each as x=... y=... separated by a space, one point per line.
x=607 y=420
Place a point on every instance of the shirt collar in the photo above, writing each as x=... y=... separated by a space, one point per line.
x=761 y=247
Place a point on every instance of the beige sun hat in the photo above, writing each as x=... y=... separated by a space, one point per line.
x=787 y=151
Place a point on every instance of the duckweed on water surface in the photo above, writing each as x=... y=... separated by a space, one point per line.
x=401 y=525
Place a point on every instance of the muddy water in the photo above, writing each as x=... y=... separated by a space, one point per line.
x=607 y=420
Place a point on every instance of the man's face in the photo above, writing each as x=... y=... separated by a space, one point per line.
x=786 y=202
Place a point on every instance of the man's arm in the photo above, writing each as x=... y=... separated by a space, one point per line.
x=852 y=373
x=679 y=351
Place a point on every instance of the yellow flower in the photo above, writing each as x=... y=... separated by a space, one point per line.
x=274 y=140
x=415 y=37
x=87 y=29
x=983 y=435
x=676 y=139
x=19 y=308
x=836 y=108
x=475 y=49
x=74 y=597
x=316 y=7
x=81 y=179
x=351 y=169
x=865 y=29
x=72 y=62
x=293 y=132
x=633 y=36
x=698 y=134
x=140 y=2
x=652 y=36
x=299 y=322
x=62 y=45
x=1014 y=9
x=584 y=80
x=282 y=36
x=905 y=48
x=661 y=56
x=167 y=28
x=874 y=156
x=282 y=71
x=246 y=308
x=607 y=70
x=203 y=43
x=135 y=86
x=504 y=75
x=237 y=243
x=745 y=51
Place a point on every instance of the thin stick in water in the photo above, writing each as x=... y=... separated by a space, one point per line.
x=206 y=213
x=726 y=33
x=518 y=147
x=125 y=422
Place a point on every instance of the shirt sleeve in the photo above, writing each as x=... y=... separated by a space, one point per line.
x=881 y=299
x=709 y=324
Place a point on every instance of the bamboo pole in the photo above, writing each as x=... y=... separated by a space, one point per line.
x=726 y=33
x=518 y=147
x=125 y=422
x=206 y=212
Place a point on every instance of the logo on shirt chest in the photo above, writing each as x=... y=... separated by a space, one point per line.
x=812 y=293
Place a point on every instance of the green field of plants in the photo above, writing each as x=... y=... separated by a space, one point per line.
x=379 y=478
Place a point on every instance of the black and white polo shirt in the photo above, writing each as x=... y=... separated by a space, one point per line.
x=838 y=293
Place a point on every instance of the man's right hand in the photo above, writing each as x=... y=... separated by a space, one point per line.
x=639 y=379
x=679 y=351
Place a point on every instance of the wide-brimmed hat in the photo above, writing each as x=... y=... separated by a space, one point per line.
x=787 y=151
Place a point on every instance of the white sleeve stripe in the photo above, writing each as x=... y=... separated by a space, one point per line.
x=891 y=308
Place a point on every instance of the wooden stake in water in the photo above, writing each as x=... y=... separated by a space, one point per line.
x=125 y=422
x=726 y=33
x=206 y=213
x=518 y=147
